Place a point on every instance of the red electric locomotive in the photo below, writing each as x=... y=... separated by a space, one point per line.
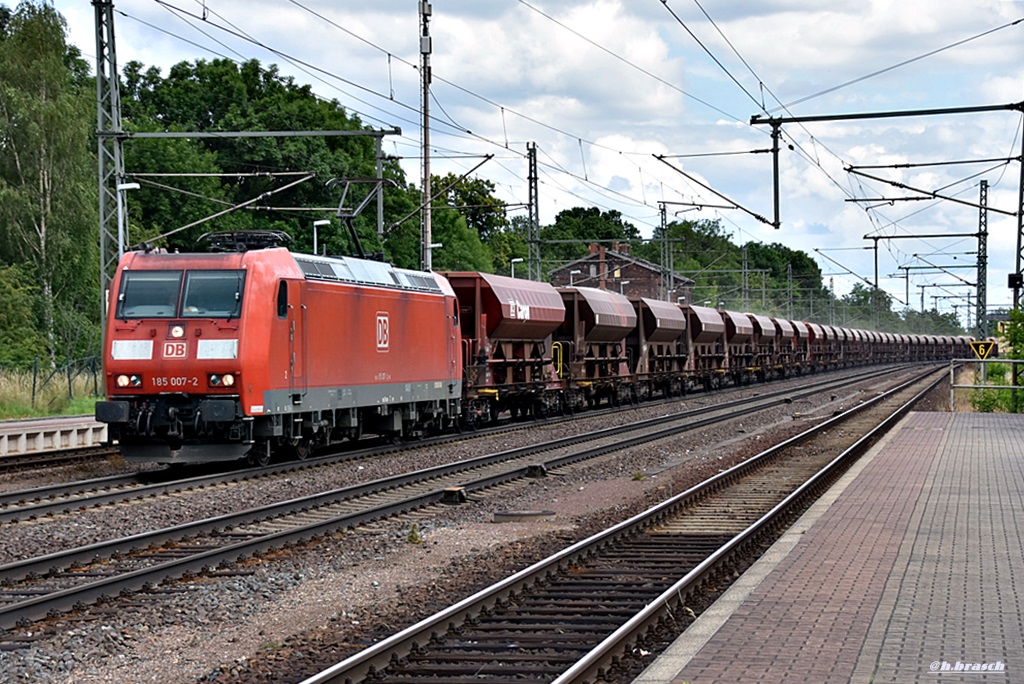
x=249 y=350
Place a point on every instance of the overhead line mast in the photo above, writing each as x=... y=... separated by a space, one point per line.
x=425 y=50
x=1016 y=280
x=109 y=144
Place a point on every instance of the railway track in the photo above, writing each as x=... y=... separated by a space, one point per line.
x=584 y=614
x=38 y=587
x=16 y=463
x=65 y=498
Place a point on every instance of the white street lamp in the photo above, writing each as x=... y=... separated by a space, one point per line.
x=517 y=260
x=320 y=222
x=622 y=284
x=121 y=187
x=572 y=273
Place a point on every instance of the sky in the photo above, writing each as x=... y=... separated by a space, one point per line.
x=638 y=104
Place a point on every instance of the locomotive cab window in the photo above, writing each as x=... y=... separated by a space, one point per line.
x=149 y=294
x=282 y=299
x=213 y=294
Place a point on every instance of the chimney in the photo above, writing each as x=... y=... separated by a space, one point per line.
x=593 y=248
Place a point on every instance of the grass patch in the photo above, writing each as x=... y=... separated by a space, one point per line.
x=21 y=396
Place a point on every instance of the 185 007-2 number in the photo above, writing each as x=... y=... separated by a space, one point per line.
x=176 y=381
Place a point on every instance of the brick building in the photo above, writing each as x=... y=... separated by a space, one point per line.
x=616 y=270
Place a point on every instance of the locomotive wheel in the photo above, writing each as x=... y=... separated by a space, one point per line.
x=300 y=449
x=260 y=455
x=356 y=433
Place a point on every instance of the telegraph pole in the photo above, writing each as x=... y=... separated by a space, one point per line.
x=776 y=134
x=665 y=246
x=1015 y=277
x=789 y=290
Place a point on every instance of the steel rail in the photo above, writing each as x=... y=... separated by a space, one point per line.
x=367 y=663
x=18 y=613
x=63 y=498
x=614 y=646
x=62 y=559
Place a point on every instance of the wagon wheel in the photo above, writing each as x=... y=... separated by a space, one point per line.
x=564 y=405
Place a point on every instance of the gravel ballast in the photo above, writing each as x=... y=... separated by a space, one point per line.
x=271 y=620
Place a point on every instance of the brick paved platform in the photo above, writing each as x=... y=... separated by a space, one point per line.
x=911 y=569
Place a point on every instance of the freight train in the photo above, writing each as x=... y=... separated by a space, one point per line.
x=252 y=351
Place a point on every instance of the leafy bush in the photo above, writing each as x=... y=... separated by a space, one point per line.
x=987 y=401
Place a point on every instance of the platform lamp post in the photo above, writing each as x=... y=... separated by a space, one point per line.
x=121 y=187
x=317 y=224
x=622 y=285
x=573 y=272
x=513 y=262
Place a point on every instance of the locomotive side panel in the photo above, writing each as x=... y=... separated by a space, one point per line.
x=354 y=348
x=211 y=356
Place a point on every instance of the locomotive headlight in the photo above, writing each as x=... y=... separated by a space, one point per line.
x=177 y=331
x=133 y=380
x=222 y=380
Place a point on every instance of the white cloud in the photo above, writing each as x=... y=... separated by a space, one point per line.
x=520 y=77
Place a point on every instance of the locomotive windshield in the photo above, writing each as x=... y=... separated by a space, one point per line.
x=156 y=294
x=149 y=294
x=213 y=294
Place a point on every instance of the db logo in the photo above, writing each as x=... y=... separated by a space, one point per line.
x=175 y=350
x=383 y=331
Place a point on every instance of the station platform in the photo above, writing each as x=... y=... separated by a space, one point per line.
x=18 y=437
x=910 y=569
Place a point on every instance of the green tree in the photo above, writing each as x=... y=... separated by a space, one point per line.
x=568 y=237
x=1013 y=333
x=221 y=95
x=510 y=242
x=47 y=165
x=461 y=248
x=474 y=199
x=20 y=341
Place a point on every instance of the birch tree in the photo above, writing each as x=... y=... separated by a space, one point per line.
x=47 y=167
